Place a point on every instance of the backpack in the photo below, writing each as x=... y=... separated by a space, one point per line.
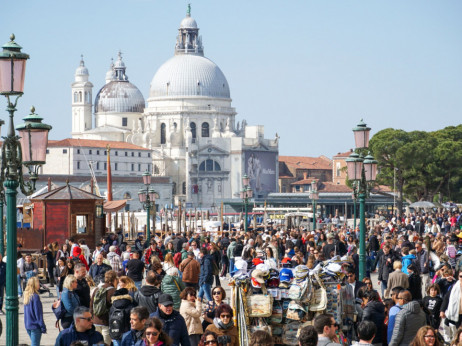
x=99 y=302
x=117 y=325
x=177 y=259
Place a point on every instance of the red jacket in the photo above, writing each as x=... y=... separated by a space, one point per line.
x=149 y=253
x=77 y=253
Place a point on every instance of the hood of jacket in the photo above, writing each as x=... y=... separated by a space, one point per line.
x=410 y=256
x=111 y=255
x=413 y=307
x=376 y=306
x=149 y=290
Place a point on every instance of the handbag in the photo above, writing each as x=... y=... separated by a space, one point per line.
x=260 y=305
x=289 y=333
x=318 y=300
x=260 y=324
x=295 y=311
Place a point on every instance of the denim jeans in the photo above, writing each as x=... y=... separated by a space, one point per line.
x=384 y=287
x=35 y=336
x=207 y=290
x=231 y=265
x=19 y=285
x=138 y=284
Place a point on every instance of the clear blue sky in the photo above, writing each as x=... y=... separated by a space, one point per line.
x=308 y=70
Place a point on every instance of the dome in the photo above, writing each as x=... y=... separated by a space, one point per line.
x=189 y=75
x=81 y=70
x=119 y=97
x=188 y=23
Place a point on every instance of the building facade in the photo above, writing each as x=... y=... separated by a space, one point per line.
x=188 y=124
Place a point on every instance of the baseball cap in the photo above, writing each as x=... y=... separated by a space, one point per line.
x=286 y=260
x=256 y=261
x=165 y=299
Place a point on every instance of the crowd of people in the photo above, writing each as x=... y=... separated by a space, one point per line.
x=168 y=290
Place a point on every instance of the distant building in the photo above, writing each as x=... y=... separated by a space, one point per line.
x=188 y=124
x=339 y=172
x=77 y=160
x=293 y=169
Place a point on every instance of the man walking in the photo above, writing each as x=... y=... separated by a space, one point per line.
x=173 y=323
x=98 y=269
x=148 y=294
x=206 y=275
x=81 y=330
x=191 y=269
x=138 y=317
x=135 y=268
x=82 y=290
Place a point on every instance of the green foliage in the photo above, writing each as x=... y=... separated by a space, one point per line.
x=426 y=164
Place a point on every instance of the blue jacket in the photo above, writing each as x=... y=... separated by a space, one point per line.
x=68 y=335
x=174 y=326
x=129 y=339
x=70 y=301
x=408 y=259
x=33 y=314
x=391 y=320
x=206 y=275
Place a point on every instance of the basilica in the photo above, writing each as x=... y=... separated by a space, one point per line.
x=187 y=122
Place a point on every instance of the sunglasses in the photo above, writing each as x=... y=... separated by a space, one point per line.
x=88 y=319
x=225 y=316
x=216 y=293
x=335 y=325
x=152 y=333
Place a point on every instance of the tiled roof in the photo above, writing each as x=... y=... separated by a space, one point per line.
x=304 y=162
x=331 y=187
x=286 y=177
x=345 y=154
x=92 y=143
x=66 y=192
x=306 y=181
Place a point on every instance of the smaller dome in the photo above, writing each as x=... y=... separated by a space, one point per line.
x=188 y=23
x=81 y=70
x=119 y=97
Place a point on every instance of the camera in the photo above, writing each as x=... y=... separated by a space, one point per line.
x=224 y=339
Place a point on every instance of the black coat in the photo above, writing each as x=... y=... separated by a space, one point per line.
x=375 y=311
x=415 y=286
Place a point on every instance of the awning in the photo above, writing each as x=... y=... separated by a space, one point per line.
x=114 y=206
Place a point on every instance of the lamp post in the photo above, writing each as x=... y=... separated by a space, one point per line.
x=246 y=193
x=362 y=172
x=147 y=197
x=354 y=197
x=28 y=149
x=314 y=198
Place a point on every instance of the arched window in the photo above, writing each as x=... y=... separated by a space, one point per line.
x=156 y=169
x=76 y=97
x=192 y=125
x=205 y=129
x=184 y=188
x=87 y=97
x=80 y=96
x=174 y=188
x=163 y=136
x=209 y=166
x=338 y=169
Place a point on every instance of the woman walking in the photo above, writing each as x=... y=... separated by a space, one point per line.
x=190 y=309
x=33 y=312
x=70 y=300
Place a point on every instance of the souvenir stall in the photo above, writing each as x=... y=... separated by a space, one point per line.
x=285 y=300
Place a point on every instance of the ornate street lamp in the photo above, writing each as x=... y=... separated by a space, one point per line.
x=28 y=149
x=314 y=197
x=147 y=197
x=362 y=173
x=246 y=193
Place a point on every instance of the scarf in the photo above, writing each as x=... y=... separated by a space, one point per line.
x=452 y=313
x=220 y=325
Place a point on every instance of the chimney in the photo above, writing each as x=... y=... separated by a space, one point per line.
x=305 y=175
x=49 y=184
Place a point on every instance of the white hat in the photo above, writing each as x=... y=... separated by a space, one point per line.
x=241 y=268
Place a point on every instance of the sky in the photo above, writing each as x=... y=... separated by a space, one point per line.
x=306 y=70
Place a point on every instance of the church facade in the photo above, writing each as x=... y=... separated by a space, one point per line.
x=187 y=122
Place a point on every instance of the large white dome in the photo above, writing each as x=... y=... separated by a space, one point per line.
x=189 y=75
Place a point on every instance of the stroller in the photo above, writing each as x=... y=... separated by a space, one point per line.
x=42 y=288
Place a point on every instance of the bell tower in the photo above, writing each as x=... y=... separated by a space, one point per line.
x=81 y=101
